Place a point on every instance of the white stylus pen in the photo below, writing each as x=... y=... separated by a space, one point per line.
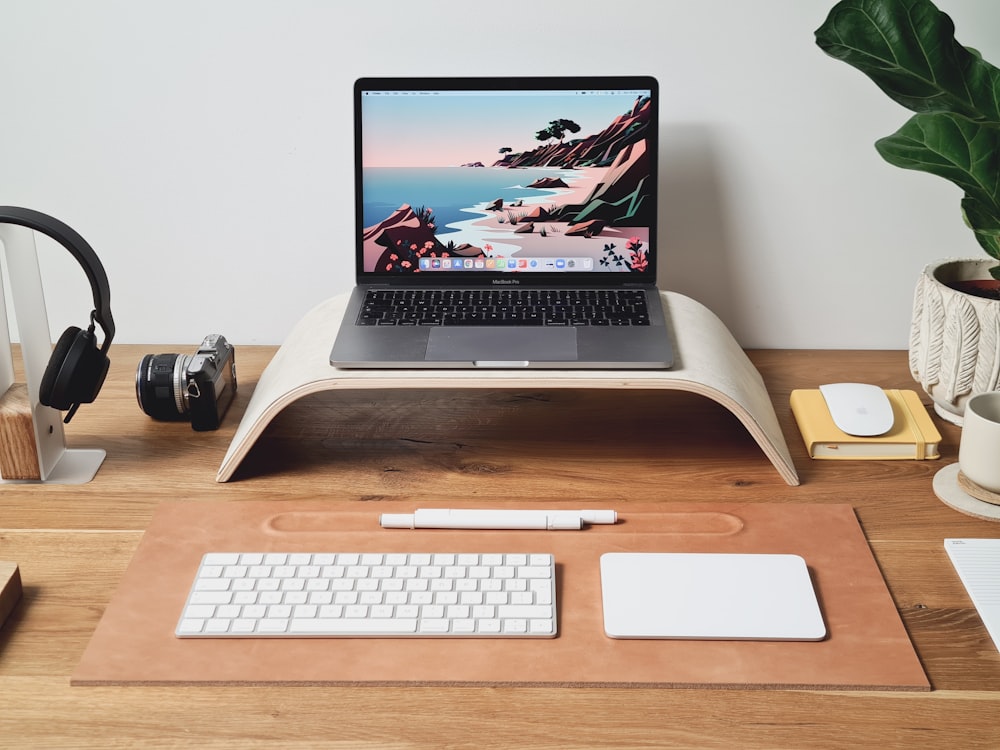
x=443 y=518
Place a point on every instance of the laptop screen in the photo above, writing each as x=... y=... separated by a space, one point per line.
x=468 y=179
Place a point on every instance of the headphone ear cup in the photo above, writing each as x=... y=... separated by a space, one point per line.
x=48 y=393
x=75 y=372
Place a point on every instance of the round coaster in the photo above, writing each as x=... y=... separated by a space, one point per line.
x=980 y=493
x=948 y=491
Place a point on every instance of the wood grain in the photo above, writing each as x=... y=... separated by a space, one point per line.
x=18 y=452
x=73 y=544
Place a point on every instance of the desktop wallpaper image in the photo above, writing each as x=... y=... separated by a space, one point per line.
x=509 y=182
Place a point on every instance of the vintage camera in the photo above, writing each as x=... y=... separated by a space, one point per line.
x=201 y=386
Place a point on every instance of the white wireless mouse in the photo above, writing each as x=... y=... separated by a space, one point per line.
x=858 y=408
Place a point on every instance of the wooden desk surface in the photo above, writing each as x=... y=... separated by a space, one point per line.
x=73 y=543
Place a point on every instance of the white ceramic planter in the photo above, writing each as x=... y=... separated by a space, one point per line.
x=954 y=337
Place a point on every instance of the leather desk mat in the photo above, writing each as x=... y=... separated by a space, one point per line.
x=866 y=648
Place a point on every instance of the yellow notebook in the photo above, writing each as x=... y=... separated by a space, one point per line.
x=913 y=434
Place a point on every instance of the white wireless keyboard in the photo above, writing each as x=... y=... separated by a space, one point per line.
x=267 y=595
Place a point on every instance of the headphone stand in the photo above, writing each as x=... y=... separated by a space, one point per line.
x=51 y=461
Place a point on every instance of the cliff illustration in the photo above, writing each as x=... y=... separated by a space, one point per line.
x=623 y=198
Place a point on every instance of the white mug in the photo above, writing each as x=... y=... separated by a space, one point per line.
x=979 y=449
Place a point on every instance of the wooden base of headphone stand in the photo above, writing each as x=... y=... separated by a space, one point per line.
x=20 y=439
x=18 y=452
x=19 y=458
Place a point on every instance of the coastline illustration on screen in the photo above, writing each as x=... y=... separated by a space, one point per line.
x=513 y=183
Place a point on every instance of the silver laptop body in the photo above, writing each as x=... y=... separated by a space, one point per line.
x=505 y=223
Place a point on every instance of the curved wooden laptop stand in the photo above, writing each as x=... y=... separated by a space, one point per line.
x=708 y=362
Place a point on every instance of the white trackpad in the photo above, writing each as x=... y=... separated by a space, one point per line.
x=709 y=596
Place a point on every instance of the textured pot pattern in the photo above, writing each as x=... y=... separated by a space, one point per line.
x=954 y=337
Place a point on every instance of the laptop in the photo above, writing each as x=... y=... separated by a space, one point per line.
x=505 y=223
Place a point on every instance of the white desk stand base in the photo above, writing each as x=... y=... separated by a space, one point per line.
x=75 y=466
x=709 y=362
x=57 y=463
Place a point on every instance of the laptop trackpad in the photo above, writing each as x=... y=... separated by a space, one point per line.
x=515 y=346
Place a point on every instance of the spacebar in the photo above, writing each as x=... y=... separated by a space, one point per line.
x=352 y=626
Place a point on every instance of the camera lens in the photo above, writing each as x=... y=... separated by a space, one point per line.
x=161 y=386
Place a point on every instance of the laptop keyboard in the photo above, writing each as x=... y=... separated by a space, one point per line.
x=504 y=307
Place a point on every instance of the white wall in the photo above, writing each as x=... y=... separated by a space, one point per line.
x=204 y=149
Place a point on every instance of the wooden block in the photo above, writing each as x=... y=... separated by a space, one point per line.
x=18 y=452
x=10 y=589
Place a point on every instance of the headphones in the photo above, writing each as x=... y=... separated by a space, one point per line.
x=77 y=367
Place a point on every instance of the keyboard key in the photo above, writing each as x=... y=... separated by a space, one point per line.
x=354 y=626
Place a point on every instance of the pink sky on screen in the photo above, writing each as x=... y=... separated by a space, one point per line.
x=422 y=130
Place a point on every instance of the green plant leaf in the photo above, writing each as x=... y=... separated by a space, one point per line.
x=966 y=153
x=908 y=48
x=950 y=146
x=985 y=223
